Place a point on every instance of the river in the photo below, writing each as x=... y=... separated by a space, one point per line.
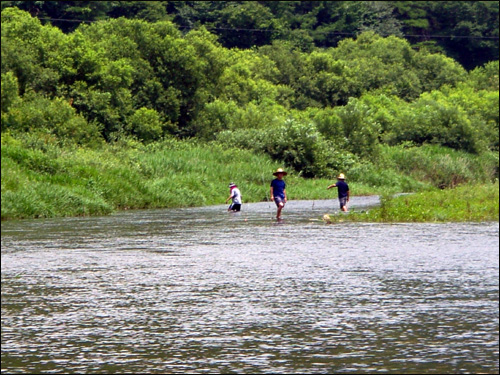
x=201 y=290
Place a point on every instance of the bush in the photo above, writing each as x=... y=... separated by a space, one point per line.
x=146 y=125
x=300 y=146
x=37 y=114
x=446 y=119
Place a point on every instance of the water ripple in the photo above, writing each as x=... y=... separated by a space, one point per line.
x=204 y=291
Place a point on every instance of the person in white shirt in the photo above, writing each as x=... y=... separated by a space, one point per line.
x=235 y=195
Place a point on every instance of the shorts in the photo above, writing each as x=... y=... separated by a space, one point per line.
x=235 y=207
x=343 y=202
x=279 y=200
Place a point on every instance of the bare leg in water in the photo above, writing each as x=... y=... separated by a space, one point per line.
x=278 y=214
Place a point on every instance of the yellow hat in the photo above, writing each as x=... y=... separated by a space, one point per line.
x=341 y=176
x=280 y=171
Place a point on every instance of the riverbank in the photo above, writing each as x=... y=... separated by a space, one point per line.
x=471 y=203
x=42 y=179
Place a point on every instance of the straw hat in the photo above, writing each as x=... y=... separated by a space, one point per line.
x=280 y=170
x=341 y=176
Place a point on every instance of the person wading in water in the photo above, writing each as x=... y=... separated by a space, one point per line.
x=343 y=190
x=278 y=191
x=235 y=195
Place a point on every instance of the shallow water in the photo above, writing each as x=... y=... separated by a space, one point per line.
x=201 y=290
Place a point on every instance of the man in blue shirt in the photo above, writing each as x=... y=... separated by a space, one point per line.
x=343 y=190
x=278 y=191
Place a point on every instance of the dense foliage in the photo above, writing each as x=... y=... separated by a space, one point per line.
x=464 y=30
x=126 y=77
x=365 y=106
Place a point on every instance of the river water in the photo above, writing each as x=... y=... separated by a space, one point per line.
x=201 y=290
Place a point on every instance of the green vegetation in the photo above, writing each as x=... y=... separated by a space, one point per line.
x=42 y=179
x=465 y=203
x=465 y=30
x=49 y=181
x=136 y=113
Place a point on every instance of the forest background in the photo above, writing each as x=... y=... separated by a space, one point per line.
x=132 y=104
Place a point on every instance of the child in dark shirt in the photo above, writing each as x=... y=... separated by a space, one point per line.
x=278 y=191
x=343 y=190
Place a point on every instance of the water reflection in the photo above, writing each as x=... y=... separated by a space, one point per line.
x=206 y=291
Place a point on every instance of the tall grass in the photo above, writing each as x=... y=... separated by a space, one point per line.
x=465 y=203
x=40 y=178
x=440 y=166
x=50 y=181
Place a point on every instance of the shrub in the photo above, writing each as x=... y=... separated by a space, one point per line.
x=145 y=124
x=299 y=145
x=37 y=114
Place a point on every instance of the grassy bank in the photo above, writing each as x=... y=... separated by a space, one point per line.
x=41 y=178
x=464 y=203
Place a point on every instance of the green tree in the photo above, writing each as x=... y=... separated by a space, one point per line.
x=167 y=72
x=146 y=125
x=379 y=17
x=39 y=115
x=66 y=15
x=472 y=27
x=20 y=46
x=150 y=11
x=10 y=91
x=436 y=70
x=245 y=24
x=437 y=118
x=359 y=130
x=485 y=77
